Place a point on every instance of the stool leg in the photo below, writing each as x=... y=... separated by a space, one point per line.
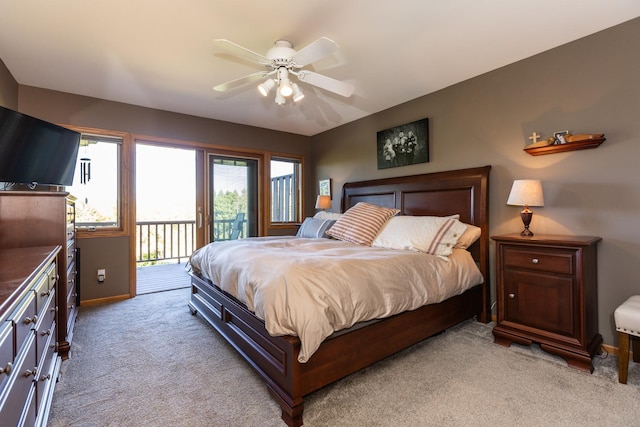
x=623 y=356
x=635 y=341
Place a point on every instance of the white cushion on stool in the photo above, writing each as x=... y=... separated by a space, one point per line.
x=627 y=316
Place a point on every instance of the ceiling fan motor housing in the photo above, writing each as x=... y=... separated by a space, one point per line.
x=281 y=53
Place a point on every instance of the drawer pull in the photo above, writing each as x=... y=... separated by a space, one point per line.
x=45 y=377
x=7 y=369
x=535 y=260
x=26 y=320
x=512 y=296
x=47 y=332
x=30 y=372
x=45 y=294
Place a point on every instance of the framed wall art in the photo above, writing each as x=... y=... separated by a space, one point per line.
x=403 y=145
x=325 y=187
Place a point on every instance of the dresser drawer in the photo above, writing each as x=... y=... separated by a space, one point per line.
x=551 y=260
x=21 y=384
x=46 y=367
x=71 y=253
x=43 y=294
x=6 y=353
x=24 y=319
x=46 y=325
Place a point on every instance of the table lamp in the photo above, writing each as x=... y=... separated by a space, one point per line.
x=526 y=192
x=323 y=202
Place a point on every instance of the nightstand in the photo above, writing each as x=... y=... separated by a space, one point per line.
x=547 y=293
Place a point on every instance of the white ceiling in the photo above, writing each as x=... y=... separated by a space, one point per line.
x=159 y=53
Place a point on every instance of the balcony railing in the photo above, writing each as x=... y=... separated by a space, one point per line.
x=175 y=240
x=164 y=240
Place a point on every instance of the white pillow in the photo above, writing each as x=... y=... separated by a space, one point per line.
x=327 y=215
x=469 y=237
x=433 y=235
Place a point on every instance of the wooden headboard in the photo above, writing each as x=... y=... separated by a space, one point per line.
x=464 y=192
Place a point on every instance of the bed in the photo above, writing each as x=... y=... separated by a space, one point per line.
x=277 y=358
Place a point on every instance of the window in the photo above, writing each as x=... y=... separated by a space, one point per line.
x=97 y=183
x=285 y=190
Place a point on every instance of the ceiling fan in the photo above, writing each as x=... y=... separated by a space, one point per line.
x=282 y=62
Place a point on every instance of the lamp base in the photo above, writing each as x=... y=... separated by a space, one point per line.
x=526 y=216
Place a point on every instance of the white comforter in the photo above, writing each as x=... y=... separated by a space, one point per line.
x=311 y=288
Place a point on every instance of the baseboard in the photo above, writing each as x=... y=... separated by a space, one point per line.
x=105 y=300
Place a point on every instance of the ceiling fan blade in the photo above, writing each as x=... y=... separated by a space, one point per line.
x=232 y=84
x=326 y=83
x=314 y=51
x=240 y=50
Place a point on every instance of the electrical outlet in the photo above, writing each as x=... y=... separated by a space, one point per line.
x=102 y=275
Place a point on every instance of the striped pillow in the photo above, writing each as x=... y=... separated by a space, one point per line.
x=361 y=223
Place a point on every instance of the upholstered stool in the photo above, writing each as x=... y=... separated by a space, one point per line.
x=627 y=318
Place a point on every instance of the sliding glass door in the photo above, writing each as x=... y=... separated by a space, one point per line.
x=233 y=197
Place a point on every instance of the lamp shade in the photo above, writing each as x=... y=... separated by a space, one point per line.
x=323 y=202
x=526 y=192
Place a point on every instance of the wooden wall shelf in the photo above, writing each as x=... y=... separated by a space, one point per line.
x=569 y=146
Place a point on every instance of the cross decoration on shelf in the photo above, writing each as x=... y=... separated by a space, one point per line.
x=534 y=137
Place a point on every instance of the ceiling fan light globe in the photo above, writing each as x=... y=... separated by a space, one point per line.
x=285 y=89
x=265 y=87
x=297 y=93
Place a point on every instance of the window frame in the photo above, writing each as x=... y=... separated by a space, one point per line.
x=125 y=179
x=299 y=159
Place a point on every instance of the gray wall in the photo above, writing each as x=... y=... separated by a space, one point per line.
x=588 y=86
x=8 y=88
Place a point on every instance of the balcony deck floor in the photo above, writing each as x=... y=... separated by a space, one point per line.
x=163 y=277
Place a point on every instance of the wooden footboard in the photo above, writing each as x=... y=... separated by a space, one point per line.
x=276 y=358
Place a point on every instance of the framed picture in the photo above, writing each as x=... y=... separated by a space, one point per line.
x=325 y=187
x=558 y=137
x=404 y=145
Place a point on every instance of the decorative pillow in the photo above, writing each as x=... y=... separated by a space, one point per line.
x=434 y=235
x=361 y=223
x=313 y=227
x=469 y=237
x=328 y=215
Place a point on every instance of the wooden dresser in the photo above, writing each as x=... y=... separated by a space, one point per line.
x=28 y=354
x=547 y=293
x=36 y=218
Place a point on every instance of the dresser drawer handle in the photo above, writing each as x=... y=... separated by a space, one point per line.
x=45 y=377
x=7 y=369
x=512 y=296
x=47 y=332
x=45 y=294
x=26 y=320
x=535 y=260
x=30 y=372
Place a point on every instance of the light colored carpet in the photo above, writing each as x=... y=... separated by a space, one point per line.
x=148 y=362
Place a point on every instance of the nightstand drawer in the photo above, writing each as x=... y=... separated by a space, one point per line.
x=553 y=261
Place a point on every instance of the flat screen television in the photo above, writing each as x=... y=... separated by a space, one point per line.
x=33 y=151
